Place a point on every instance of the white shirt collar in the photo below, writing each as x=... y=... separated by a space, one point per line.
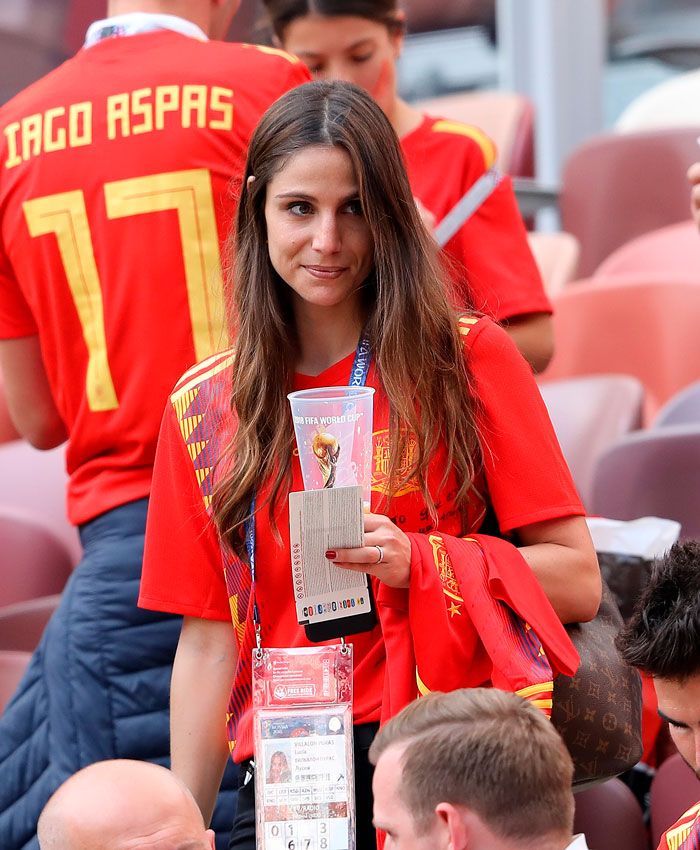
x=579 y=843
x=139 y=22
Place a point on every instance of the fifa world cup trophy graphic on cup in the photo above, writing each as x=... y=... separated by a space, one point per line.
x=333 y=427
x=327 y=451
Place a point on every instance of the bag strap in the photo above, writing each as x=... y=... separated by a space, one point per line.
x=467 y=205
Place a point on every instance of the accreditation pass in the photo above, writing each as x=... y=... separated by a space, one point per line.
x=305 y=780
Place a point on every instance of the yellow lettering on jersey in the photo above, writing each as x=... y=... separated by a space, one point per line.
x=118 y=123
x=142 y=110
x=31 y=136
x=80 y=124
x=167 y=100
x=65 y=215
x=194 y=99
x=221 y=102
x=12 y=134
x=54 y=139
x=190 y=194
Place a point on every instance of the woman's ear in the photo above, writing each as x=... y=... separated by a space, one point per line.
x=249 y=181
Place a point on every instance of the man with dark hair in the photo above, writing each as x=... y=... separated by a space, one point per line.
x=663 y=640
x=476 y=768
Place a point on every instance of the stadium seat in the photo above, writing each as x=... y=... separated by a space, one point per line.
x=557 y=256
x=35 y=482
x=651 y=473
x=33 y=560
x=588 y=415
x=616 y=187
x=682 y=409
x=22 y=624
x=610 y=817
x=507 y=117
x=636 y=326
x=12 y=667
x=674 y=789
x=671 y=252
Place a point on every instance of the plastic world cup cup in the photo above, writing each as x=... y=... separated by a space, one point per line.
x=333 y=427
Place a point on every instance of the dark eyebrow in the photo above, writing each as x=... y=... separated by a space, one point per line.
x=302 y=196
x=354 y=46
x=671 y=720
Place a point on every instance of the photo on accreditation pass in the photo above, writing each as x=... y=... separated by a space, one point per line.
x=304 y=778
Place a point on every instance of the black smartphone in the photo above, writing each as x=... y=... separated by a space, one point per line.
x=344 y=626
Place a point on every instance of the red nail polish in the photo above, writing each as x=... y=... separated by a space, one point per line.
x=330 y=554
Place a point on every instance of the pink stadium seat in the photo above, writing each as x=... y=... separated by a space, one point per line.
x=588 y=415
x=651 y=473
x=616 y=187
x=33 y=560
x=674 y=789
x=22 y=624
x=557 y=257
x=682 y=409
x=35 y=482
x=12 y=667
x=638 y=326
x=672 y=253
x=610 y=817
x=507 y=117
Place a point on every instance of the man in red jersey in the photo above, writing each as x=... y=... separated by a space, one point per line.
x=115 y=175
x=663 y=640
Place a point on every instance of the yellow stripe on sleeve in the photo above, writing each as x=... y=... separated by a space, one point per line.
x=488 y=149
x=423 y=689
x=531 y=690
x=183 y=389
x=275 y=51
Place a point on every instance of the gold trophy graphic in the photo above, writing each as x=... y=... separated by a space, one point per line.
x=327 y=450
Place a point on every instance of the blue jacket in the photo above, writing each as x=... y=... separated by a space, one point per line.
x=98 y=685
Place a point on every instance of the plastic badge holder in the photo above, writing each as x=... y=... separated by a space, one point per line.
x=304 y=776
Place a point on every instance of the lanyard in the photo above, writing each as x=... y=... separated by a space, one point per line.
x=358 y=378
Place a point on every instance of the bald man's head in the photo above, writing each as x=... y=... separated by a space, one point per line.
x=123 y=805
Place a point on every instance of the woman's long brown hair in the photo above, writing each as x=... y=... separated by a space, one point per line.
x=411 y=325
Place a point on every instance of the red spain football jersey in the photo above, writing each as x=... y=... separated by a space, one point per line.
x=494 y=270
x=116 y=178
x=685 y=832
x=525 y=476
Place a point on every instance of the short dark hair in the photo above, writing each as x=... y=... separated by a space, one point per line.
x=663 y=636
x=486 y=749
x=283 y=12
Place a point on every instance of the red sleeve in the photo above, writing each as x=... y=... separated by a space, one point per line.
x=16 y=319
x=527 y=477
x=298 y=74
x=182 y=565
x=501 y=271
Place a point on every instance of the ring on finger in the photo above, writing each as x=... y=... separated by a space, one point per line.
x=380 y=554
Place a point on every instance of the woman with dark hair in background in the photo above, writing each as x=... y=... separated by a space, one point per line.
x=330 y=249
x=494 y=271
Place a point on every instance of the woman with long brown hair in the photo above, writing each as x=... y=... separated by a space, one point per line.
x=330 y=249
x=492 y=266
